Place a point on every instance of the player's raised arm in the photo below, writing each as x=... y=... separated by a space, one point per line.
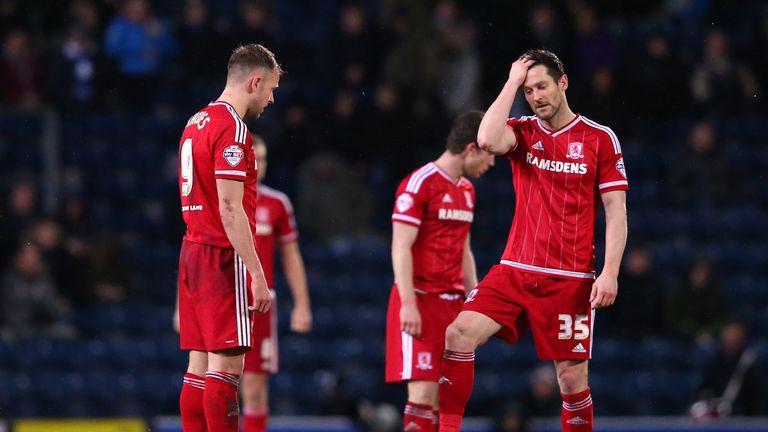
x=403 y=237
x=238 y=232
x=605 y=288
x=494 y=136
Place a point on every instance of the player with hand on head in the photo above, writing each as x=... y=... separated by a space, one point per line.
x=221 y=281
x=562 y=163
x=275 y=225
x=433 y=265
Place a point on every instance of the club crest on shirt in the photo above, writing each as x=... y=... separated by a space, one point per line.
x=262 y=214
x=233 y=155
x=575 y=150
x=424 y=360
x=468 y=197
x=404 y=202
x=620 y=167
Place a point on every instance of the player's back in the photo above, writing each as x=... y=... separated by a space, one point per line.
x=215 y=145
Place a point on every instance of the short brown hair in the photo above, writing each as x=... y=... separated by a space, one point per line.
x=463 y=131
x=547 y=58
x=251 y=56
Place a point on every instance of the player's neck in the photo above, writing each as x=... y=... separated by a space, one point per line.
x=451 y=164
x=559 y=120
x=239 y=104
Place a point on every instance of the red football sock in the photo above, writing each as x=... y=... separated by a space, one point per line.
x=577 y=414
x=436 y=421
x=458 y=376
x=255 y=420
x=221 y=410
x=191 y=404
x=417 y=417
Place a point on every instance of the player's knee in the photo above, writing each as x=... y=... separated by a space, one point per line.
x=458 y=338
x=572 y=379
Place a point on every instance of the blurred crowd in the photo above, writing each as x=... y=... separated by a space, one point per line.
x=369 y=89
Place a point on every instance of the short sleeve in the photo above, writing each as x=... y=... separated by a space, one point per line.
x=409 y=204
x=286 y=223
x=231 y=153
x=520 y=126
x=611 y=172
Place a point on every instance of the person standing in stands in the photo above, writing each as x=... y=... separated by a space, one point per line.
x=433 y=265
x=275 y=225
x=562 y=163
x=221 y=280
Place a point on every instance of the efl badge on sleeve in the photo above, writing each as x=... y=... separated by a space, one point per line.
x=620 y=167
x=575 y=150
x=233 y=155
x=404 y=202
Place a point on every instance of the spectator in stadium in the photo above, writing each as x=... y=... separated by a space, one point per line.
x=731 y=381
x=21 y=71
x=141 y=44
x=706 y=178
x=18 y=212
x=79 y=67
x=721 y=84
x=31 y=305
x=338 y=204
x=639 y=310
x=65 y=268
x=696 y=307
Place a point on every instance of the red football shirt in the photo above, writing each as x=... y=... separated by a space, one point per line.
x=442 y=210
x=215 y=144
x=558 y=178
x=275 y=223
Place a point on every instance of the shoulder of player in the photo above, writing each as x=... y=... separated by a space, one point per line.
x=418 y=180
x=224 y=117
x=274 y=194
x=604 y=132
x=522 y=120
x=466 y=184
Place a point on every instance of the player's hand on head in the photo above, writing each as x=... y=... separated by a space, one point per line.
x=604 y=291
x=410 y=320
x=262 y=297
x=519 y=70
x=301 y=319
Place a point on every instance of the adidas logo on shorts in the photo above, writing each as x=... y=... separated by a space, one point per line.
x=579 y=348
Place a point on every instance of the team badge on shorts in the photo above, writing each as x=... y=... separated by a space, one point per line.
x=424 y=360
x=404 y=202
x=233 y=155
x=575 y=150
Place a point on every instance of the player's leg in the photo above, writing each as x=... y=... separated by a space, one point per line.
x=562 y=322
x=418 y=413
x=191 y=400
x=221 y=383
x=254 y=389
x=463 y=336
x=192 y=393
x=577 y=414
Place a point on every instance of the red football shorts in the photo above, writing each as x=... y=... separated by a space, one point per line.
x=556 y=309
x=409 y=358
x=263 y=358
x=214 y=295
